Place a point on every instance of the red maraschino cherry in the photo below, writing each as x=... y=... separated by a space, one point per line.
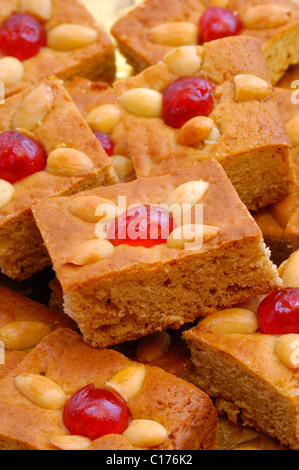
x=22 y=36
x=20 y=156
x=95 y=412
x=106 y=141
x=278 y=313
x=141 y=226
x=217 y=23
x=186 y=98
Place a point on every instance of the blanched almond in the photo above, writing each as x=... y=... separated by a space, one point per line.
x=123 y=166
x=71 y=442
x=104 y=118
x=34 y=108
x=41 y=9
x=230 y=321
x=287 y=350
x=93 y=208
x=152 y=347
x=145 y=433
x=6 y=192
x=185 y=60
x=142 y=102
x=11 y=70
x=67 y=37
x=190 y=193
x=69 y=162
x=22 y=335
x=175 y=34
x=250 y=87
x=290 y=272
x=266 y=16
x=191 y=236
x=128 y=381
x=282 y=210
x=292 y=128
x=90 y=252
x=195 y=130
x=41 y=391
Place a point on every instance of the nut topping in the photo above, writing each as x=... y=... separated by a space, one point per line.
x=174 y=34
x=128 y=381
x=194 y=131
x=145 y=433
x=123 y=166
x=34 y=108
x=41 y=9
x=290 y=274
x=142 y=102
x=152 y=347
x=191 y=236
x=69 y=162
x=92 y=209
x=104 y=118
x=90 y=252
x=185 y=60
x=11 y=70
x=230 y=321
x=287 y=350
x=251 y=87
x=266 y=16
x=71 y=442
x=67 y=37
x=19 y=336
x=190 y=193
x=41 y=391
x=6 y=192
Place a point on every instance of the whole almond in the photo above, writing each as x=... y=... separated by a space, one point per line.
x=195 y=130
x=230 y=321
x=67 y=37
x=142 y=102
x=290 y=272
x=189 y=193
x=185 y=60
x=19 y=336
x=266 y=16
x=282 y=210
x=152 y=347
x=69 y=162
x=34 y=108
x=6 y=192
x=104 y=118
x=191 y=236
x=90 y=252
x=175 y=34
x=123 y=166
x=41 y=390
x=41 y=9
x=11 y=70
x=71 y=442
x=92 y=209
x=287 y=350
x=128 y=381
x=251 y=87
x=145 y=433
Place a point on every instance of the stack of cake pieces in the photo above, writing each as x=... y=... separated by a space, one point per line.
x=164 y=203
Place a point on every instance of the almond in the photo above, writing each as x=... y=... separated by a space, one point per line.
x=152 y=347
x=67 y=37
x=41 y=390
x=69 y=162
x=191 y=236
x=11 y=70
x=195 y=130
x=266 y=16
x=145 y=433
x=104 y=118
x=230 y=321
x=71 y=442
x=6 y=192
x=92 y=209
x=128 y=381
x=123 y=166
x=34 y=108
x=90 y=252
x=250 y=87
x=19 y=336
x=142 y=102
x=175 y=34
x=185 y=60
x=287 y=350
x=41 y=9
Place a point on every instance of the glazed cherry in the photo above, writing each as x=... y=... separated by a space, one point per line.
x=20 y=156
x=186 y=98
x=141 y=226
x=217 y=23
x=106 y=141
x=95 y=412
x=22 y=36
x=278 y=313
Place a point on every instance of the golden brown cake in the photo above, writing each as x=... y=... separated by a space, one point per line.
x=252 y=376
x=184 y=413
x=279 y=222
x=119 y=293
x=257 y=161
x=288 y=79
x=76 y=45
x=75 y=161
x=23 y=323
x=149 y=31
x=98 y=105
